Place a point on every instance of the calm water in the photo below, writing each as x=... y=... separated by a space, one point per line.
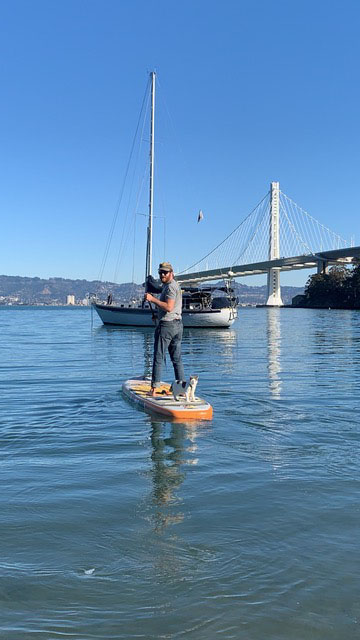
x=118 y=525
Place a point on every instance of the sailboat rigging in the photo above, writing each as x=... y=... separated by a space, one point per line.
x=200 y=308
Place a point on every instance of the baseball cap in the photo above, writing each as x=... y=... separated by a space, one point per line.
x=165 y=266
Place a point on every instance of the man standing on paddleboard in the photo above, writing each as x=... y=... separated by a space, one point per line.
x=169 y=329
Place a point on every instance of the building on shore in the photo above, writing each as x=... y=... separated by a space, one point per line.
x=70 y=299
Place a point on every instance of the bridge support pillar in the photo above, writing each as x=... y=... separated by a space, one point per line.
x=323 y=266
x=274 y=291
x=273 y=282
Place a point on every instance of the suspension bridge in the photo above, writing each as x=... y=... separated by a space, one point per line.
x=276 y=236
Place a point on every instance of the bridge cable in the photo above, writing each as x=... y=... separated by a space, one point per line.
x=225 y=239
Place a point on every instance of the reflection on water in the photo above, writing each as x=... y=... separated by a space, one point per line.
x=274 y=351
x=148 y=352
x=221 y=343
x=196 y=342
x=173 y=453
x=173 y=448
x=167 y=474
x=139 y=341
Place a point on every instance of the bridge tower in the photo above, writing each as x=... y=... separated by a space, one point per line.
x=273 y=282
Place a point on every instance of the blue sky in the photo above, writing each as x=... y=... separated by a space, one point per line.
x=249 y=92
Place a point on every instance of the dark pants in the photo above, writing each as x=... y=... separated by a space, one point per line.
x=168 y=335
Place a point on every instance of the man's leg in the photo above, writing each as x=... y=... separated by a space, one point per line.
x=175 y=354
x=161 y=342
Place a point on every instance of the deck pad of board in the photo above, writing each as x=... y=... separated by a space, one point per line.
x=164 y=403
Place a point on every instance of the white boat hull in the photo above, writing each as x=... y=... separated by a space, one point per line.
x=137 y=317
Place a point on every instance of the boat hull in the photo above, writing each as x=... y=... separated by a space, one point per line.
x=138 y=317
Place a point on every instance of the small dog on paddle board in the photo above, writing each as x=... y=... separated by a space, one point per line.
x=185 y=388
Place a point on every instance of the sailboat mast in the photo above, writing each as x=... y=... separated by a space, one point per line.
x=151 y=189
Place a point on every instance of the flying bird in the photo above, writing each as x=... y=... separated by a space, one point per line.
x=200 y=216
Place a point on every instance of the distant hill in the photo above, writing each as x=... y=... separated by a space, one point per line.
x=24 y=290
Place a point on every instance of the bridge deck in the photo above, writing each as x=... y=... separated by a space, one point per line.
x=350 y=255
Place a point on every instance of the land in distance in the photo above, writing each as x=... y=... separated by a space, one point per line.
x=54 y=291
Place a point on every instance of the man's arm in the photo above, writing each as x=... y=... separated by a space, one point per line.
x=167 y=305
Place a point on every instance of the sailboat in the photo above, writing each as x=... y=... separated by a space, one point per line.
x=200 y=307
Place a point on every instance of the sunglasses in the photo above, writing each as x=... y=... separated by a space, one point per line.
x=163 y=273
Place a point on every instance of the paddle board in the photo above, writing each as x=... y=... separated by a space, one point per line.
x=137 y=390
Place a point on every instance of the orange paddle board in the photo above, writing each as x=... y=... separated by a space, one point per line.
x=164 y=403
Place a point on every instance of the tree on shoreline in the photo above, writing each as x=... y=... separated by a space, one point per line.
x=339 y=288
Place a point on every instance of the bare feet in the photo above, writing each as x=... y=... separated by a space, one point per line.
x=152 y=392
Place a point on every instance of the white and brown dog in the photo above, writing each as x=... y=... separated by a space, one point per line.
x=185 y=388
